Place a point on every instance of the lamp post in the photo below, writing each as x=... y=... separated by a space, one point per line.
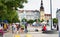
x=51 y=12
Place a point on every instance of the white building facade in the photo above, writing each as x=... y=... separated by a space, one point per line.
x=58 y=17
x=28 y=14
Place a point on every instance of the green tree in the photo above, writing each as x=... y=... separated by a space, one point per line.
x=55 y=20
x=24 y=20
x=13 y=3
x=30 y=21
x=8 y=9
x=2 y=11
x=42 y=20
x=37 y=20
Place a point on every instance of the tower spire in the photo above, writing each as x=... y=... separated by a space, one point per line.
x=41 y=2
x=42 y=8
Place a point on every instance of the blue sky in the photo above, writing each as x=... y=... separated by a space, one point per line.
x=35 y=4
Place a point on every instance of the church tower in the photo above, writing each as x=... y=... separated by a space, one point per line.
x=42 y=17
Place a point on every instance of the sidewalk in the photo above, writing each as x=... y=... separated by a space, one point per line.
x=33 y=34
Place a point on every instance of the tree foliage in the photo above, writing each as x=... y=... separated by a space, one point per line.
x=37 y=20
x=55 y=20
x=24 y=20
x=14 y=3
x=8 y=9
x=30 y=21
x=42 y=20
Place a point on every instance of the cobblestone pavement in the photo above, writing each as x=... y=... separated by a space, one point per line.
x=33 y=34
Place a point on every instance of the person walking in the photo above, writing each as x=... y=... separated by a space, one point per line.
x=14 y=29
x=5 y=27
x=26 y=24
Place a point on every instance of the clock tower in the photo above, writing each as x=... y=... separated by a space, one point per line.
x=42 y=17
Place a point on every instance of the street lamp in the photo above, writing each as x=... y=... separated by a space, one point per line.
x=51 y=12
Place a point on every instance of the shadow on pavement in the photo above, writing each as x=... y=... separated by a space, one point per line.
x=50 y=32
